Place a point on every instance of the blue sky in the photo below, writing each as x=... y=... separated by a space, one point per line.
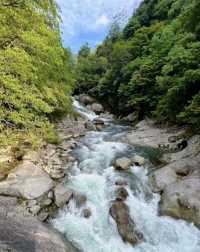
x=89 y=20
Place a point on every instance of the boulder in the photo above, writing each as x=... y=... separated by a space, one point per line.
x=87 y=213
x=138 y=160
x=7 y=204
x=182 y=200
x=162 y=178
x=27 y=181
x=62 y=195
x=43 y=216
x=121 y=183
x=28 y=234
x=90 y=126
x=122 y=194
x=80 y=199
x=123 y=163
x=86 y=99
x=133 y=117
x=97 y=108
x=99 y=123
x=173 y=172
x=126 y=227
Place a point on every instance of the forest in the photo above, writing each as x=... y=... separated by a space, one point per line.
x=36 y=76
x=151 y=67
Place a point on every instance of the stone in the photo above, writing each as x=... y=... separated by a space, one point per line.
x=80 y=199
x=57 y=174
x=182 y=200
x=97 y=108
x=35 y=209
x=89 y=125
x=31 y=203
x=122 y=194
x=133 y=117
x=7 y=204
x=121 y=183
x=99 y=123
x=138 y=160
x=86 y=99
x=172 y=139
x=27 y=181
x=126 y=226
x=30 y=235
x=123 y=163
x=43 y=216
x=147 y=133
x=62 y=195
x=162 y=178
x=86 y=213
x=50 y=195
x=46 y=202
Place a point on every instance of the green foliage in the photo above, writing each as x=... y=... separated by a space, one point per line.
x=36 y=76
x=152 y=67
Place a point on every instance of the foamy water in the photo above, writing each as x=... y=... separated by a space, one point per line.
x=94 y=176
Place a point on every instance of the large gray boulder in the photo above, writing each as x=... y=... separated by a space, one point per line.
x=97 y=108
x=29 y=235
x=27 y=181
x=182 y=200
x=86 y=99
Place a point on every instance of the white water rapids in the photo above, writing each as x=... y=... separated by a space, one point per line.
x=94 y=176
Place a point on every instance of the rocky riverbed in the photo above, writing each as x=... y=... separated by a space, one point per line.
x=56 y=183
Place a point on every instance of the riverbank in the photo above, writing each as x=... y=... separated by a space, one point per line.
x=35 y=190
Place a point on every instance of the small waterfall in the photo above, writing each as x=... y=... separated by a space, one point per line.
x=95 y=177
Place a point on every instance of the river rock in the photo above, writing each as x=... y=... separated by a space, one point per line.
x=86 y=99
x=126 y=227
x=97 y=108
x=133 y=117
x=80 y=199
x=30 y=235
x=162 y=178
x=123 y=163
x=7 y=204
x=121 y=183
x=27 y=181
x=122 y=194
x=138 y=160
x=148 y=134
x=62 y=195
x=43 y=216
x=90 y=126
x=182 y=200
x=99 y=123
x=35 y=209
x=87 y=213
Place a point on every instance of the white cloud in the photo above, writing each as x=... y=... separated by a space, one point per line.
x=85 y=16
x=103 y=20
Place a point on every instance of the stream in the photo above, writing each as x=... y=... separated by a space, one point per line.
x=94 y=176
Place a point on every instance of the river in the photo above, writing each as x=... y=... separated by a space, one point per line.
x=94 y=176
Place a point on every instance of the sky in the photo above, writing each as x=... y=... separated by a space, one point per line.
x=89 y=20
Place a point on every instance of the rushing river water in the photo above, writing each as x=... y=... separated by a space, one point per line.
x=94 y=176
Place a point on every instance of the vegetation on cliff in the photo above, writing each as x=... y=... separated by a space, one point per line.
x=36 y=77
x=152 y=66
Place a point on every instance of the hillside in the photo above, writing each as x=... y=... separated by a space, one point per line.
x=151 y=67
x=36 y=77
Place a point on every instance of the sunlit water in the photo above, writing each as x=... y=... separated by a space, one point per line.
x=94 y=176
